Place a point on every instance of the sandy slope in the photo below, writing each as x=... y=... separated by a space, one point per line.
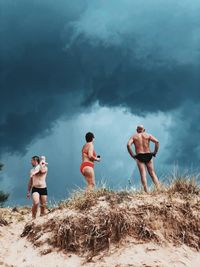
x=18 y=252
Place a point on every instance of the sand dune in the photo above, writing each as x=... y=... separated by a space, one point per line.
x=27 y=243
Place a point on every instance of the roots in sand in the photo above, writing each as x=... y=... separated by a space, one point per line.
x=93 y=227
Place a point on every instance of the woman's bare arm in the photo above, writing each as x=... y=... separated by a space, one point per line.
x=90 y=153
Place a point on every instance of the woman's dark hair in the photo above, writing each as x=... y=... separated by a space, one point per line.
x=36 y=158
x=89 y=137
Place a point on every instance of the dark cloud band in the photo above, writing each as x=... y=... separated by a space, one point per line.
x=54 y=63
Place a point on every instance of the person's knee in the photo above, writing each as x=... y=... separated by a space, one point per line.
x=43 y=205
x=91 y=182
x=143 y=177
x=152 y=173
x=35 y=204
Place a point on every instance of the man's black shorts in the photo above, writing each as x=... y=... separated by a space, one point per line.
x=40 y=191
x=144 y=157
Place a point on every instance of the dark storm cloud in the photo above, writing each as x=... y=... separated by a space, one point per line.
x=58 y=57
x=37 y=76
x=184 y=146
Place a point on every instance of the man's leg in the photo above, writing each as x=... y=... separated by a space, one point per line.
x=142 y=170
x=151 y=172
x=36 y=200
x=43 y=203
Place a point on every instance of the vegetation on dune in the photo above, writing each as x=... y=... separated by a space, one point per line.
x=80 y=200
x=103 y=217
x=1 y=166
x=184 y=186
x=3 y=196
x=3 y=221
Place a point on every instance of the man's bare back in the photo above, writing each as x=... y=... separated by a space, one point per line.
x=141 y=142
x=143 y=154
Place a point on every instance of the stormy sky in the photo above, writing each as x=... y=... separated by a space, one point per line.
x=68 y=67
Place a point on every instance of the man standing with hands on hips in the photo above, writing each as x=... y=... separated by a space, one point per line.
x=143 y=155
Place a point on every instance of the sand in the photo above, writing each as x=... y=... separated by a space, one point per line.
x=16 y=251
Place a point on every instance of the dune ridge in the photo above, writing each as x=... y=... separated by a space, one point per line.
x=107 y=228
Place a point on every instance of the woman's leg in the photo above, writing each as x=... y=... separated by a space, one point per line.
x=89 y=177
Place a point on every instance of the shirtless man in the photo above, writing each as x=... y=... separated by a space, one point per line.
x=143 y=156
x=39 y=188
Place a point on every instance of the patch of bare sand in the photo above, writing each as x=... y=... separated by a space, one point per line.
x=150 y=255
x=19 y=252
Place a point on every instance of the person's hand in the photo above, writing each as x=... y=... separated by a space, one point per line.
x=28 y=195
x=134 y=157
x=153 y=154
x=98 y=158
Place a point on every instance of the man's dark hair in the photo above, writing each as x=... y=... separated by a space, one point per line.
x=89 y=137
x=36 y=158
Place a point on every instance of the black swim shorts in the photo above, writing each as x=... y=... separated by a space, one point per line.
x=40 y=191
x=144 y=157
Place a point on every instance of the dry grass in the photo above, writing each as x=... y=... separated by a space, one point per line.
x=80 y=200
x=105 y=217
x=184 y=186
x=3 y=222
x=10 y=215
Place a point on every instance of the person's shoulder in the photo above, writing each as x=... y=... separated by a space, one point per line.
x=134 y=136
x=148 y=135
x=90 y=144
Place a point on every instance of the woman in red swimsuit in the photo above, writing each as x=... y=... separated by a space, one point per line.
x=88 y=158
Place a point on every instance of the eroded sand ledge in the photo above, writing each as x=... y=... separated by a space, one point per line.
x=105 y=229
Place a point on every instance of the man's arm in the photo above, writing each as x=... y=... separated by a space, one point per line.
x=43 y=169
x=30 y=183
x=156 y=142
x=130 y=142
x=35 y=171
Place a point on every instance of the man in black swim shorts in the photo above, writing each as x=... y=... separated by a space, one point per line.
x=143 y=156
x=38 y=185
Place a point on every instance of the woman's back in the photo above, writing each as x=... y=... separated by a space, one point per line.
x=85 y=152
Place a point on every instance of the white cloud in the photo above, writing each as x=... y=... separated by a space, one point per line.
x=112 y=129
x=169 y=30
